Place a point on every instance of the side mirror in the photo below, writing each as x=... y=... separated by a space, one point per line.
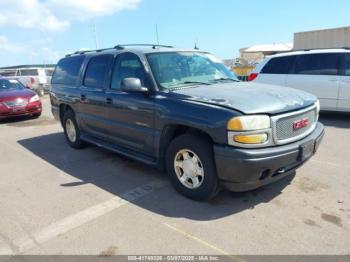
x=133 y=85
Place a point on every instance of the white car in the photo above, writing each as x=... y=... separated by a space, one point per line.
x=322 y=72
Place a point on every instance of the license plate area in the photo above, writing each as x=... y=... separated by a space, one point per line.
x=306 y=150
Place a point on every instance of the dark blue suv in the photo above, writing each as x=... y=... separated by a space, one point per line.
x=184 y=112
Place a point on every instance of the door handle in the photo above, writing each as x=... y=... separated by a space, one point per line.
x=82 y=98
x=109 y=100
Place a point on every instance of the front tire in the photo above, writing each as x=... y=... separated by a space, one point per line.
x=191 y=167
x=71 y=130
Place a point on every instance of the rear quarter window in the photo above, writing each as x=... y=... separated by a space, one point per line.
x=29 y=72
x=279 y=65
x=318 y=64
x=97 y=71
x=67 y=70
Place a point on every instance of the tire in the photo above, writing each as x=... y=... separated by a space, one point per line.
x=41 y=92
x=70 y=125
x=37 y=115
x=202 y=184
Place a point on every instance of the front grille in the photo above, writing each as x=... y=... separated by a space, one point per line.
x=16 y=103
x=283 y=129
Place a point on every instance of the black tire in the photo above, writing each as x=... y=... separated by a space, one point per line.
x=37 y=115
x=203 y=148
x=77 y=143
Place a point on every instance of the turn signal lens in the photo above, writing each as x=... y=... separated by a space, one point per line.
x=248 y=123
x=251 y=139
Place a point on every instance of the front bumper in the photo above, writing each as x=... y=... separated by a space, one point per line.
x=33 y=108
x=246 y=169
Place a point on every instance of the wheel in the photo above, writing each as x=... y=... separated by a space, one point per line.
x=41 y=92
x=71 y=130
x=37 y=115
x=191 y=167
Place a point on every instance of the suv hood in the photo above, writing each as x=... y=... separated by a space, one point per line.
x=247 y=97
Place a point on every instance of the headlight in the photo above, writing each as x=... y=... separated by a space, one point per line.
x=249 y=131
x=248 y=123
x=34 y=99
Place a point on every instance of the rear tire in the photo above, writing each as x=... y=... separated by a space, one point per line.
x=71 y=130
x=191 y=167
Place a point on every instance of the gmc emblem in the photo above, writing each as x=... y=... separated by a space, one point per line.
x=300 y=123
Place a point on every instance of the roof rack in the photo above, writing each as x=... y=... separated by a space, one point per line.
x=154 y=46
x=118 y=47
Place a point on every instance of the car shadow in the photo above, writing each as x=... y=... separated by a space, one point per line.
x=117 y=175
x=335 y=119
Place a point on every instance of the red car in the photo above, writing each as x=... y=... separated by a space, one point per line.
x=17 y=100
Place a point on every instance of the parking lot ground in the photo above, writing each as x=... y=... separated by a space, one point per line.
x=56 y=200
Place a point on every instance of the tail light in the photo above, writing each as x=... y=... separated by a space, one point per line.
x=252 y=76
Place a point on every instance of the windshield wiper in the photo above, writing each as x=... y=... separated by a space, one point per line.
x=195 y=82
x=224 y=79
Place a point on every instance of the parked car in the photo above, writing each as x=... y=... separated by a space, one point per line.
x=185 y=112
x=36 y=78
x=322 y=72
x=17 y=100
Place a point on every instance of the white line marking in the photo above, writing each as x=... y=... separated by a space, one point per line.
x=205 y=243
x=65 y=225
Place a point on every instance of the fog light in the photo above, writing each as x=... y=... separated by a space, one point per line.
x=250 y=139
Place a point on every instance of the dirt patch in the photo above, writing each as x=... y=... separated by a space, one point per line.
x=310 y=222
x=332 y=219
x=110 y=251
x=307 y=185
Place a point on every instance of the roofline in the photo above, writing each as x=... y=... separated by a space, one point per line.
x=312 y=51
x=28 y=66
x=326 y=29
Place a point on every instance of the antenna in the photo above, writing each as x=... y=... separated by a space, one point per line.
x=196 y=44
x=157 y=35
x=95 y=34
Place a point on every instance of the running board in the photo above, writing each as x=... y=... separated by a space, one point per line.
x=119 y=150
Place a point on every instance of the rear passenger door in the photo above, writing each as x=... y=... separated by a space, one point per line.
x=344 y=89
x=130 y=115
x=93 y=95
x=318 y=74
x=275 y=71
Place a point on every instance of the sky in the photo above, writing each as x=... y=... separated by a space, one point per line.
x=42 y=31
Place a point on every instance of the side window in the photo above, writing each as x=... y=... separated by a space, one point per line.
x=318 y=64
x=279 y=65
x=67 y=70
x=127 y=65
x=97 y=70
x=29 y=72
x=347 y=64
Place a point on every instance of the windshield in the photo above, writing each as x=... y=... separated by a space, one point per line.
x=178 y=69
x=6 y=84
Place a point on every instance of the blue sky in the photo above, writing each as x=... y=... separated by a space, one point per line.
x=221 y=26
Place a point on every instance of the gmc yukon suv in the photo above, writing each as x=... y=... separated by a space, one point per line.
x=184 y=112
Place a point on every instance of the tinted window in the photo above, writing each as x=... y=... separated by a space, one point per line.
x=279 y=65
x=318 y=64
x=29 y=72
x=10 y=84
x=97 y=71
x=347 y=64
x=127 y=65
x=8 y=73
x=67 y=70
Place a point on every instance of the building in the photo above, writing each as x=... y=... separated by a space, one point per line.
x=256 y=53
x=326 y=38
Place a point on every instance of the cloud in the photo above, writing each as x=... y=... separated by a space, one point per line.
x=57 y=15
x=7 y=46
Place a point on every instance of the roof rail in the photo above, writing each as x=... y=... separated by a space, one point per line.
x=154 y=46
x=118 y=47
x=320 y=48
